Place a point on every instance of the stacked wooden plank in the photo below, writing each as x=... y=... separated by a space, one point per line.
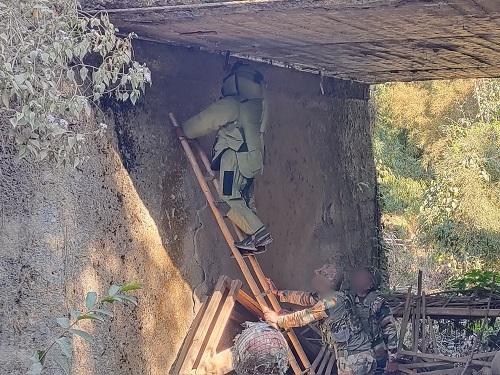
x=422 y=356
x=450 y=304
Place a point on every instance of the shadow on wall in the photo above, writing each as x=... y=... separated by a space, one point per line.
x=65 y=232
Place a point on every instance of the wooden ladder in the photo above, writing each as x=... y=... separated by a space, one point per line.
x=230 y=239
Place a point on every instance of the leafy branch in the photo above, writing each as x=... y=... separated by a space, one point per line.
x=95 y=310
x=56 y=63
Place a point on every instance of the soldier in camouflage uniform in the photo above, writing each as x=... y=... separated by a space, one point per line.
x=239 y=118
x=376 y=317
x=332 y=310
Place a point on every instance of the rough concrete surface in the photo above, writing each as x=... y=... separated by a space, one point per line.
x=134 y=211
x=365 y=40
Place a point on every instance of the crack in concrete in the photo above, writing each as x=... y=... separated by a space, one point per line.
x=198 y=227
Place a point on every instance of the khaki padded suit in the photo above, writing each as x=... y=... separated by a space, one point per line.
x=237 y=153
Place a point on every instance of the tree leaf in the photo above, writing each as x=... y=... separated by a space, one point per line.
x=65 y=345
x=35 y=369
x=20 y=78
x=83 y=73
x=130 y=286
x=6 y=99
x=84 y=335
x=91 y=298
x=90 y=317
x=75 y=314
x=113 y=290
x=104 y=312
x=70 y=74
x=124 y=298
x=63 y=322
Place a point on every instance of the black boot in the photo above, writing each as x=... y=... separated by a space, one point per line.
x=247 y=253
x=263 y=238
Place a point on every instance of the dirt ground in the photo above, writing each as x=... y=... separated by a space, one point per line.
x=135 y=212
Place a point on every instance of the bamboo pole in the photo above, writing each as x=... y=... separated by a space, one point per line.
x=224 y=228
x=424 y=325
x=416 y=314
x=254 y=263
x=406 y=317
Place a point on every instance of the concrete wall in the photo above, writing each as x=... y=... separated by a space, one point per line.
x=134 y=211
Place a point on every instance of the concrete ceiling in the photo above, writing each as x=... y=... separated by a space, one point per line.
x=370 y=41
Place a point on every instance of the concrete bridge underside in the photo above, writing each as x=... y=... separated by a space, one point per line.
x=369 y=41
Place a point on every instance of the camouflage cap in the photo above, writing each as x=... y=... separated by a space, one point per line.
x=329 y=272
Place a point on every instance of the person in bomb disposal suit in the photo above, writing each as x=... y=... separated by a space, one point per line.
x=239 y=118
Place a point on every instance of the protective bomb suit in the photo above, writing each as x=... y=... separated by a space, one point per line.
x=239 y=118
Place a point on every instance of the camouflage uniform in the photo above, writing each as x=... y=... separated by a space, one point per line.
x=378 y=321
x=340 y=329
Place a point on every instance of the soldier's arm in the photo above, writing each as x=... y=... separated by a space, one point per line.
x=212 y=118
x=306 y=316
x=298 y=297
x=388 y=326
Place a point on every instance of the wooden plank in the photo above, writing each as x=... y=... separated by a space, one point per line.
x=424 y=324
x=462 y=312
x=324 y=361
x=259 y=273
x=423 y=364
x=189 y=336
x=406 y=317
x=331 y=362
x=215 y=335
x=458 y=312
x=318 y=359
x=406 y=371
x=439 y=357
x=416 y=314
x=249 y=303
x=203 y=327
x=433 y=334
x=450 y=371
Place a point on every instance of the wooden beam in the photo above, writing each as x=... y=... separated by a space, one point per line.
x=406 y=317
x=249 y=303
x=331 y=362
x=210 y=348
x=324 y=361
x=203 y=327
x=455 y=312
x=317 y=360
x=189 y=336
x=439 y=357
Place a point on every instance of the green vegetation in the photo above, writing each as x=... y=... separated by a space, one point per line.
x=61 y=348
x=55 y=63
x=437 y=149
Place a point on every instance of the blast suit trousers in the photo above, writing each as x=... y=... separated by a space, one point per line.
x=237 y=193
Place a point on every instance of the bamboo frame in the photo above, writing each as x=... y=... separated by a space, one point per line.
x=236 y=253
